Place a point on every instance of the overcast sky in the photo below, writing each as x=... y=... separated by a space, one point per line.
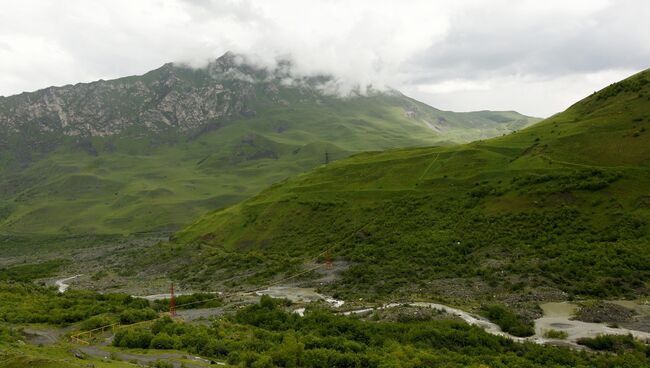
x=536 y=57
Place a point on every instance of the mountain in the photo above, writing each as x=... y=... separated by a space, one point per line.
x=149 y=153
x=558 y=209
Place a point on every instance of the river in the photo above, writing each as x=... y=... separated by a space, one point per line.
x=61 y=284
x=557 y=316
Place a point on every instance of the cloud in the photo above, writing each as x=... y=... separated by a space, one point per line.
x=454 y=85
x=529 y=93
x=462 y=55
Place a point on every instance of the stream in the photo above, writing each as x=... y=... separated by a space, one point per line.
x=61 y=284
x=557 y=316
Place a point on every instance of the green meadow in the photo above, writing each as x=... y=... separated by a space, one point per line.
x=563 y=204
x=143 y=183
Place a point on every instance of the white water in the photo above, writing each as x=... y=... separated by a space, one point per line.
x=300 y=295
x=61 y=284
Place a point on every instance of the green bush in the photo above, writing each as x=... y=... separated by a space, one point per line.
x=162 y=341
x=133 y=339
x=29 y=303
x=556 y=334
x=95 y=322
x=8 y=334
x=614 y=343
x=131 y=315
x=508 y=321
x=163 y=364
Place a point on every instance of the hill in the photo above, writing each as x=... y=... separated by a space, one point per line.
x=149 y=153
x=558 y=209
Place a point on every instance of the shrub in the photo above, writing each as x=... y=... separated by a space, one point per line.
x=162 y=341
x=614 y=343
x=7 y=334
x=129 y=316
x=133 y=339
x=163 y=364
x=555 y=334
x=508 y=321
x=95 y=322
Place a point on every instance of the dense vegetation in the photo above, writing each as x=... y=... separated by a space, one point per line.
x=508 y=321
x=26 y=303
x=615 y=343
x=264 y=335
x=30 y=272
x=562 y=204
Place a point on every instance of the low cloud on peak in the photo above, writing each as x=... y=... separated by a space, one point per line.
x=534 y=57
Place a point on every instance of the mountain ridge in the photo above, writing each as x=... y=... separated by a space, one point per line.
x=151 y=152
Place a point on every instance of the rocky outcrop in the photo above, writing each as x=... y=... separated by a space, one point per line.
x=172 y=97
x=600 y=312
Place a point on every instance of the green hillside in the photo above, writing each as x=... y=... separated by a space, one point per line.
x=150 y=153
x=560 y=207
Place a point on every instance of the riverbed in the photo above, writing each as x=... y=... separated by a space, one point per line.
x=556 y=316
x=61 y=284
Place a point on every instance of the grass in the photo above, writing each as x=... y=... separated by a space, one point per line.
x=562 y=204
x=614 y=343
x=508 y=321
x=555 y=334
x=31 y=272
x=56 y=356
x=146 y=181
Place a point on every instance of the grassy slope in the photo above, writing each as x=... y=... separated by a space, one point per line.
x=564 y=204
x=137 y=185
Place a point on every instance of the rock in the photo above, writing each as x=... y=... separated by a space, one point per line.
x=162 y=100
x=602 y=312
x=78 y=354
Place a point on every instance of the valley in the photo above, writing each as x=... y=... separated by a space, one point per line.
x=336 y=232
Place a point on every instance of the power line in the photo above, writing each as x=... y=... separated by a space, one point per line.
x=173 y=306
